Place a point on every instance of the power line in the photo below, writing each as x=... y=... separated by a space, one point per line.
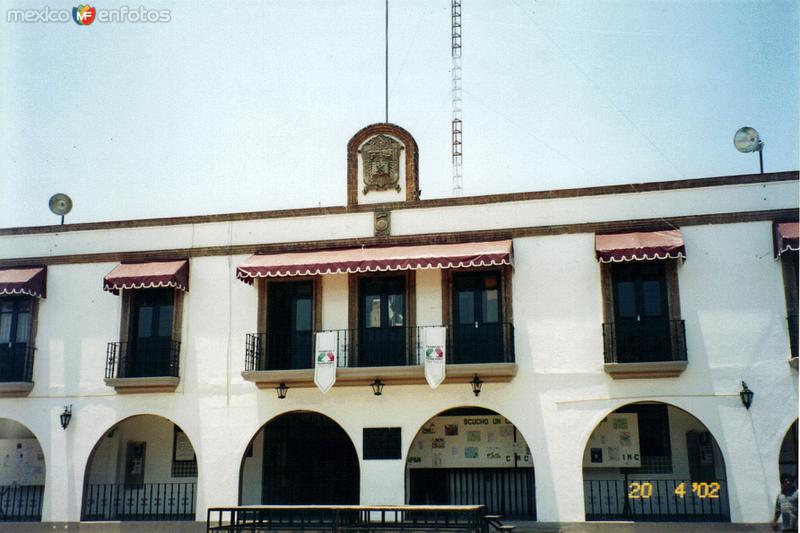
x=599 y=89
x=531 y=134
x=407 y=54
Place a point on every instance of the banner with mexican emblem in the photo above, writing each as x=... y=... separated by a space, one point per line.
x=435 y=339
x=325 y=360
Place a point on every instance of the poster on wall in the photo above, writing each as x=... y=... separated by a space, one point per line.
x=21 y=462
x=614 y=443
x=480 y=441
x=183 y=447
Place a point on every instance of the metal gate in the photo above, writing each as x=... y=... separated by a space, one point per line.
x=509 y=492
x=657 y=500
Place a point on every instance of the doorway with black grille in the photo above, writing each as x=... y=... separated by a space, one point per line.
x=300 y=458
x=472 y=456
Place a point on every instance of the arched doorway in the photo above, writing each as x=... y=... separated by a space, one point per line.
x=787 y=460
x=300 y=458
x=22 y=475
x=143 y=468
x=651 y=461
x=468 y=456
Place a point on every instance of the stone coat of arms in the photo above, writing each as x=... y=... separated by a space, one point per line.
x=381 y=162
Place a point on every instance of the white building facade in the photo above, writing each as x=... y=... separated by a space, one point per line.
x=171 y=381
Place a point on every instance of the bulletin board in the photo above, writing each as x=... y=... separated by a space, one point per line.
x=614 y=443
x=21 y=462
x=483 y=441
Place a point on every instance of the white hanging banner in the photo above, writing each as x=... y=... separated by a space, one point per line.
x=435 y=339
x=325 y=360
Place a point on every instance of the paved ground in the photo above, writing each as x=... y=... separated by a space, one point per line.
x=522 y=527
x=631 y=527
x=106 y=527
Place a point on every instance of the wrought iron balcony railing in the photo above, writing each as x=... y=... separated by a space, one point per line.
x=149 y=501
x=645 y=341
x=21 y=503
x=279 y=350
x=481 y=343
x=375 y=347
x=151 y=358
x=792 y=320
x=397 y=346
x=16 y=362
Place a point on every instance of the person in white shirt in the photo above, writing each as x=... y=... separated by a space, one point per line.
x=786 y=505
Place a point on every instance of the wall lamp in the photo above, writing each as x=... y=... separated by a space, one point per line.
x=66 y=416
x=281 y=390
x=746 y=395
x=377 y=387
x=476 y=384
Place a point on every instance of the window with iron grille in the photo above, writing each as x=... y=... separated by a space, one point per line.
x=789 y=263
x=654 y=439
x=149 y=342
x=15 y=337
x=184 y=461
x=184 y=469
x=642 y=316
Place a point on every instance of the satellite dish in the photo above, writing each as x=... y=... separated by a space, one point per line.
x=60 y=204
x=747 y=140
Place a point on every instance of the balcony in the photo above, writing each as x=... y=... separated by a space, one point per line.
x=16 y=369
x=644 y=349
x=143 y=366
x=288 y=350
x=792 y=320
x=395 y=355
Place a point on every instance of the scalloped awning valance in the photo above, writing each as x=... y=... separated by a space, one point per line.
x=353 y=260
x=786 y=237
x=150 y=275
x=640 y=246
x=28 y=280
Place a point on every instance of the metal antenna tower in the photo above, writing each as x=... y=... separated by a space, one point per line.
x=455 y=48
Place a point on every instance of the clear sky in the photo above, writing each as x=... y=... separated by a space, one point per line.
x=247 y=106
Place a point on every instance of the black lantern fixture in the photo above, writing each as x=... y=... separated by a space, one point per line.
x=377 y=387
x=66 y=416
x=281 y=390
x=746 y=395
x=476 y=384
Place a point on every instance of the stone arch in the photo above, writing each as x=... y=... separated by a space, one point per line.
x=472 y=455
x=597 y=418
x=22 y=479
x=143 y=467
x=787 y=453
x=300 y=457
x=652 y=460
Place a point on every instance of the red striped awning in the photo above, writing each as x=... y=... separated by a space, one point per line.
x=148 y=276
x=29 y=280
x=640 y=246
x=786 y=237
x=354 y=260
